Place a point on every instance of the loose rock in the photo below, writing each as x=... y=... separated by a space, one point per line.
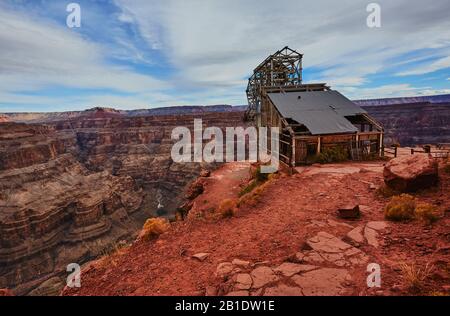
x=201 y=256
x=224 y=269
x=349 y=212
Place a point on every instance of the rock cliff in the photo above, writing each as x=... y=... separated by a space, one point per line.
x=72 y=189
x=413 y=123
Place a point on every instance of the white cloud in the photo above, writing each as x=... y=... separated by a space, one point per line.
x=221 y=42
x=213 y=45
x=35 y=55
x=439 y=64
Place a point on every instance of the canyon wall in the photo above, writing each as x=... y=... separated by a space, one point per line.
x=413 y=123
x=72 y=189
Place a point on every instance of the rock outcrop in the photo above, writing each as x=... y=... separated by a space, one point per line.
x=411 y=173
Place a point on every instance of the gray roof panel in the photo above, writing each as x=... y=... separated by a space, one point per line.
x=322 y=112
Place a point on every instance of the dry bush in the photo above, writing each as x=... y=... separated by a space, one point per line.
x=400 y=208
x=332 y=154
x=248 y=188
x=111 y=254
x=249 y=200
x=154 y=227
x=427 y=213
x=227 y=208
x=414 y=277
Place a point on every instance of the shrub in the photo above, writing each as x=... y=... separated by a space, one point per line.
x=227 y=208
x=426 y=213
x=248 y=188
x=332 y=154
x=248 y=200
x=258 y=179
x=154 y=227
x=400 y=208
x=415 y=277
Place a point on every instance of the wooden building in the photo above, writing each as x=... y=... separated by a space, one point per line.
x=312 y=117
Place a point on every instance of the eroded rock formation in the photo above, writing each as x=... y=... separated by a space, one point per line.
x=72 y=189
x=413 y=123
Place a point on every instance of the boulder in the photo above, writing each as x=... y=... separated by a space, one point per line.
x=411 y=173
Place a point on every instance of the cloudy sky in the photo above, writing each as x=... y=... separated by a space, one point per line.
x=150 y=53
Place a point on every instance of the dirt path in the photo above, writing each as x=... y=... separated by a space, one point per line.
x=292 y=218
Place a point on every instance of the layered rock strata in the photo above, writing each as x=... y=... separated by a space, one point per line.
x=72 y=189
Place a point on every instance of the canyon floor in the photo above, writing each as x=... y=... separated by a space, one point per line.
x=288 y=242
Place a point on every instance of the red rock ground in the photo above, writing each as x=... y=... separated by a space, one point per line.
x=290 y=210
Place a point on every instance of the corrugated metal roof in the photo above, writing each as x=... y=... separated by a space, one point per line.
x=322 y=112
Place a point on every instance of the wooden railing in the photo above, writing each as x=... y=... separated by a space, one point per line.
x=391 y=151
x=435 y=153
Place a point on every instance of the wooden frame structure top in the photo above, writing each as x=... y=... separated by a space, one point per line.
x=281 y=69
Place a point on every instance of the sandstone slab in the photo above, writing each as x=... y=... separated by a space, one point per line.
x=289 y=269
x=371 y=236
x=323 y=282
x=324 y=242
x=262 y=276
x=380 y=225
x=356 y=235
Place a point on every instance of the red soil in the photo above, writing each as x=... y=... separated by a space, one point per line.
x=290 y=210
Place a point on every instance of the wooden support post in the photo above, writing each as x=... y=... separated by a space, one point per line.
x=293 y=152
x=318 y=145
x=381 y=146
x=357 y=145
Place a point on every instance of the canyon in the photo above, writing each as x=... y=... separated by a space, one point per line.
x=71 y=190
x=411 y=124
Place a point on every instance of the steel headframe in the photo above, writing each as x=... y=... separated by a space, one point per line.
x=281 y=69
